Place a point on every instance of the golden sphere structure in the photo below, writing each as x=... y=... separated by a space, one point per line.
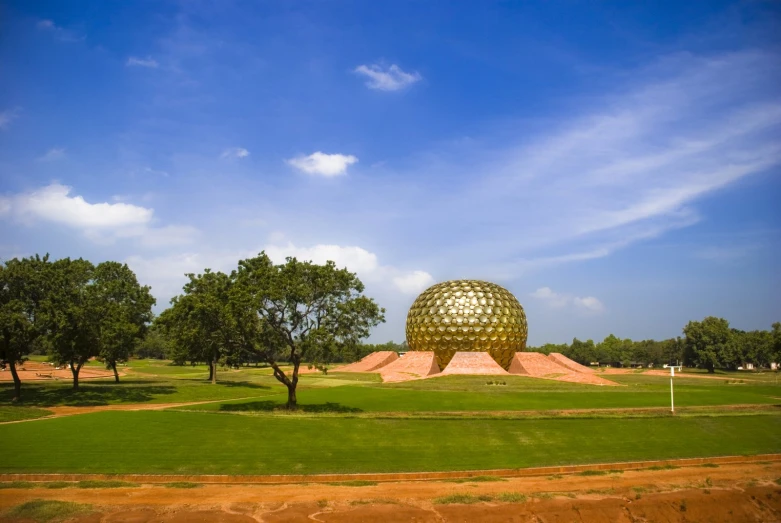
x=467 y=315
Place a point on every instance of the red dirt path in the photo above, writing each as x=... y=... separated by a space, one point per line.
x=728 y=493
x=35 y=371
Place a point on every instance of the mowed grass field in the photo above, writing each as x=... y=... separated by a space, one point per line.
x=354 y=423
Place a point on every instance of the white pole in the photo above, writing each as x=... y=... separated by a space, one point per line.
x=672 y=401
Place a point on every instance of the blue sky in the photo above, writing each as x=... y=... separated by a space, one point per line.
x=616 y=166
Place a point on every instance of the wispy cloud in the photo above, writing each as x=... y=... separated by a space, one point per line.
x=322 y=164
x=559 y=300
x=8 y=116
x=629 y=167
x=55 y=153
x=391 y=78
x=147 y=62
x=60 y=33
x=234 y=153
x=725 y=253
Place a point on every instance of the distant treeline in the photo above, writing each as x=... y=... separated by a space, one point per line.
x=709 y=343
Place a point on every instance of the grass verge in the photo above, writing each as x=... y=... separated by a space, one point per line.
x=182 y=484
x=44 y=511
x=462 y=499
x=21 y=413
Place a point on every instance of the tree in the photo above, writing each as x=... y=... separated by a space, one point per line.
x=21 y=293
x=124 y=308
x=301 y=311
x=709 y=343
x=775 y=353
x=200 y=323
x=71 y=314
x=582 y=351
x=154 y=344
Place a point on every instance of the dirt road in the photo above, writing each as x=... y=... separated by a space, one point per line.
x=728 y=492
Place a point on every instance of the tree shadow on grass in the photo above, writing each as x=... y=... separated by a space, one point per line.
x=243 y=384
x=270 y=406
x=88 y=395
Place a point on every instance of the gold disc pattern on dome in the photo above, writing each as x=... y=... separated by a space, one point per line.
x=467 y=315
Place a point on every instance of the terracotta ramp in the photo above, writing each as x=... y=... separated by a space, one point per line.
x=412 y=366
x=473 y=363
x=370 y=363
x=564 y=361
x=537 y=365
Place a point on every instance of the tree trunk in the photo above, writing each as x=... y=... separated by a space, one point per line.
x=711 y=369
x=292 y=403
x=116 y=374
x=17 y=381
x=214 y=372
x=75 y=371
x=211 y=371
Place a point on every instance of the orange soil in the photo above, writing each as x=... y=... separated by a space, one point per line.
x=729 y=493
x=370 y=363
x=35 y=371
x=561 y=359
x=413 y=365
x=537 y=365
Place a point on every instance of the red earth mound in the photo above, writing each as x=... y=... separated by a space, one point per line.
x=473 y=363
x=370 y=363
x=537 y=365
x=413 y=365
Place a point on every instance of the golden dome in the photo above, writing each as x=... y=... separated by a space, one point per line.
x=467 y=315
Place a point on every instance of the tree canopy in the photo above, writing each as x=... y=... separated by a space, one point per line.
x=295 y=312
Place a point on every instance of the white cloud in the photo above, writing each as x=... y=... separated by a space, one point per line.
x=7 y=116
x=52 y=154
x=234 y=153
x=357 y=260
x=553 y=299
x=62 y=34
x=166 y=273
x=559 y=300
x=413 y=282
x=100 y=222
x=590 y=303
x=327 y=165
x=53 y=203
x=387 y=78
x=147 y=62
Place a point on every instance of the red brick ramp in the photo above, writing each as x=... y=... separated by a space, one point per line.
x=370 y=363
x=537 y=365
x=412 y=366
x=564 y=361
x=473 y=363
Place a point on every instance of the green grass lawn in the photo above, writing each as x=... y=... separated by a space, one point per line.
x=457 y=393
x=106 y=392
x=190 y=443
x=21 y=413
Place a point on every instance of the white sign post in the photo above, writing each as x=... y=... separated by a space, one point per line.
x=672 y=401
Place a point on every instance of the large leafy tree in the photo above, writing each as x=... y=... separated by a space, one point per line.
x=200 y=323
x=709 y=343
x=124 y=309
x=71 y=314
x=21 y=292
x=299 y=311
